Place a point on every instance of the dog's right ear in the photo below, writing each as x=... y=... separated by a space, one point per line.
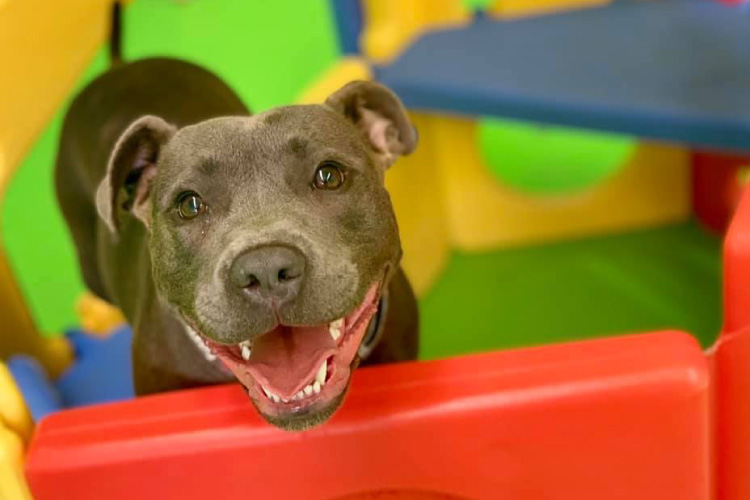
x=131 y=169
x=379 y=115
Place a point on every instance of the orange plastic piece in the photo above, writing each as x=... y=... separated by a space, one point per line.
x=58 y=355
x=391 y=24
x=14 y=415
x=619 y=418
x=344 y=71
x=506 y=9
x=20 y=333
x=98 y=316
x=12 y=482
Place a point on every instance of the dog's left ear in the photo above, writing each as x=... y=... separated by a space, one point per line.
x=131 y=169
x=379 y=114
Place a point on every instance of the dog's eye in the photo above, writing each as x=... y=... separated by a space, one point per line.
x=190 y=205
x=328 y=176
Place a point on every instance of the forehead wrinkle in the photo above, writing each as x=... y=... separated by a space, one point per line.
x=208 y=146
x=297 y=146
x=317 y=123
x=208 y=166
x=257 y=202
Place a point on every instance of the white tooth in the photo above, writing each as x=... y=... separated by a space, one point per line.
x=316 y=387
x=285 y=400
x=245 y=352
x=320 y=376
x=299 y=395
x=334 y=328
x=275 y=398
x=334 y=332
x=308 y=390
x=201 y=344
x=266 y=391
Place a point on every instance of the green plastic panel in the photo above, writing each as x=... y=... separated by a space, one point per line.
x=660 y=278
x=546 y=160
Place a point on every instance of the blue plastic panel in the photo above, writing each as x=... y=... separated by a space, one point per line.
x=102 y=371
x=39 y=393
x=348 y=16
x=669 y=69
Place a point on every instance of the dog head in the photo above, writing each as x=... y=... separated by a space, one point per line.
x=271 y=236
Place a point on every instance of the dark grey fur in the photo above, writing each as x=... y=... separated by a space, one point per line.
x=144 y=132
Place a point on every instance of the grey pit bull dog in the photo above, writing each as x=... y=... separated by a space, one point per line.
x=262 y=248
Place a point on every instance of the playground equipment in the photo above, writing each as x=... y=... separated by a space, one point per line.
x=616 y=418
x=650 y=415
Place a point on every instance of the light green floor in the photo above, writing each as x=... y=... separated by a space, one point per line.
x=662 y=278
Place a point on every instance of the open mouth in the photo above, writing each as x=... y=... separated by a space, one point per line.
x=299 y=371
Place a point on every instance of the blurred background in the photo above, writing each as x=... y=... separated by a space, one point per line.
x=579 y=164
x=574 y=178
x=271 y=52
x=268 y=51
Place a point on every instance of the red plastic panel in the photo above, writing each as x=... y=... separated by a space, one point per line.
x=732 y=359
x=731 y=363
x=737 y=269
x=621 y=418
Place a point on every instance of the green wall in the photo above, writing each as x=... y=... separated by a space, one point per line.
x=268 y=51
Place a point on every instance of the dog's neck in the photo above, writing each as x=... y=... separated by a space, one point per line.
x=375 y=328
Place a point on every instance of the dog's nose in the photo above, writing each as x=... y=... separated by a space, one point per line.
x=269 y=272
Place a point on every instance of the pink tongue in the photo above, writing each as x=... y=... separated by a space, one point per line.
x=286 y=359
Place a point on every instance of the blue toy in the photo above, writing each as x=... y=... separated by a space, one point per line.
x=101 y=373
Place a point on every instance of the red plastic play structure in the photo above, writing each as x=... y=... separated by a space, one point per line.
x=647 y=416
x=730 y=358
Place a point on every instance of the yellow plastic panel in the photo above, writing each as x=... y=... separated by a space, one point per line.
x=652 y=188
x=44 y=46
x=98 y=316
x=12 y=482
x=13 y=412
x=417 y=196
x=56 y=355
x=20 y=335
x=506 y=9
x=391 y=24
x=345 y=70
